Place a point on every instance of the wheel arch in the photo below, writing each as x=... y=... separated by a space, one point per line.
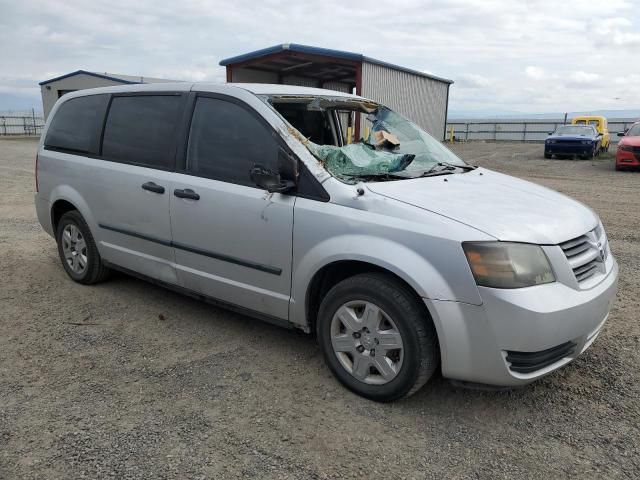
x=336 y=271
x=64 y=199
x=58 y=209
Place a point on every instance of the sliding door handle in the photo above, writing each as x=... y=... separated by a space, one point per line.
x=152 y=187
x=186 y=193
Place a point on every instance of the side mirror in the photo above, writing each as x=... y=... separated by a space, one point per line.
x=270 y=181
x=550 y=133
x=621 y=134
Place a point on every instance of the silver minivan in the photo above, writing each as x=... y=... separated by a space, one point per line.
x=331 y=213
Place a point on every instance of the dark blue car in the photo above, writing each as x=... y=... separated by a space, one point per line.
x=573 y=140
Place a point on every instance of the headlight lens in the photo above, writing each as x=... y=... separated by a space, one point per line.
x=586 y=142
x=625 y=148
x=508 y=265
x=551 y=141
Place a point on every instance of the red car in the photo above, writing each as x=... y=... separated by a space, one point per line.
x=628 y=153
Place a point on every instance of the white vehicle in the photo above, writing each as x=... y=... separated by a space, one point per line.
x=397 y=254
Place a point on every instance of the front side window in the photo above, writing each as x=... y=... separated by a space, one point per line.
x=142 y=130
x=76 y=124
x=226 y=140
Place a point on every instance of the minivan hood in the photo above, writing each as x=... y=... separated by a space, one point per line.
x=504 y=207
x=631 y=141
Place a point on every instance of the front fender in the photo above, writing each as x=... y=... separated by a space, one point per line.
x=416 y=270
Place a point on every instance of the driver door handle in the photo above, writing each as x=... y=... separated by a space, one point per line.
x=186 y=193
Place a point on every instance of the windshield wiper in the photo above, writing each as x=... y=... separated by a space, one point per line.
x=436 y=173
x=463 y=167
x=445 y=168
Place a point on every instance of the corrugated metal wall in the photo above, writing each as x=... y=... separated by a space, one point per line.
x=339 y=86
x=420 y=99
x=247 y=75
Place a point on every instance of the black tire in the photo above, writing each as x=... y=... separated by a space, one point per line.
x=95 y=270
x=547 y=155
x=421 y=353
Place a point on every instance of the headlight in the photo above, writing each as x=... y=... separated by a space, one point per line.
x=625 y=148
x=508 y=265
x=586 y=142
x=551 y=141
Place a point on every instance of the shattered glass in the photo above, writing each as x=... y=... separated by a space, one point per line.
x=390 y=147
x=359 y=159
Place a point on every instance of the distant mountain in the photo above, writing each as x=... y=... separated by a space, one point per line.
x=11 y=103
x=505 y=114
x=468 y=114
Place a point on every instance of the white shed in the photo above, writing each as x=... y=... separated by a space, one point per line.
x=421 y=97
x=54 y=88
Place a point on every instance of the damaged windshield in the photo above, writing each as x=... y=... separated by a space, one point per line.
x=360 y=140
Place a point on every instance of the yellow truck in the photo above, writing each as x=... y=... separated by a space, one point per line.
x=600 y=123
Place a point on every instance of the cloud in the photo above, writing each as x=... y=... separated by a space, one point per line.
x=618 y=31
x=472 y=80
x=609 y=26
x=633 y=79
x=584 y=78
x=536 y=73
x=505 y=55
x=626 y=39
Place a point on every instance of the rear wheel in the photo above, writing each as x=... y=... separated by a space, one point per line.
x=78 y=251
x=376 y=337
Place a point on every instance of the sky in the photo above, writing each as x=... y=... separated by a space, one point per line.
x=531 y=56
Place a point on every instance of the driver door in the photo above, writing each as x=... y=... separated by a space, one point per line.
x=232 y=240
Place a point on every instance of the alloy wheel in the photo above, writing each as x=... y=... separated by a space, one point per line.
x=74 y=248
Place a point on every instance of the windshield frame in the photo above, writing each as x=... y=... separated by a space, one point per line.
x=416 y=142
x=590 y=128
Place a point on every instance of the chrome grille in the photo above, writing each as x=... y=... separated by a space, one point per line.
x=586 y=254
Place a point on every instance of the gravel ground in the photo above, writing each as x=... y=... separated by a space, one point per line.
x=127 y=380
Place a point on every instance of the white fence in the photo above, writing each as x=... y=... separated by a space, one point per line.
x=21 y=124
x=518 y=130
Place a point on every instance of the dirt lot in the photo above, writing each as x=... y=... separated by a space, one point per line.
x=127 y=380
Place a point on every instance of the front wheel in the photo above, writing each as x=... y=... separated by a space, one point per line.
x=377 y=337
x=547 y=155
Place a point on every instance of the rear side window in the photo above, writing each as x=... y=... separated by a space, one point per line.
x=142 y=130
x=227 y=140
x=76 y=125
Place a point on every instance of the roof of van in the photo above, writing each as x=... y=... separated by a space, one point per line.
x=255 y=88
x=279 y=89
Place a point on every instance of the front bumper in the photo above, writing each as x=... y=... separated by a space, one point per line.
x=627 y=159
x=568 y=148
x=475 y=340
